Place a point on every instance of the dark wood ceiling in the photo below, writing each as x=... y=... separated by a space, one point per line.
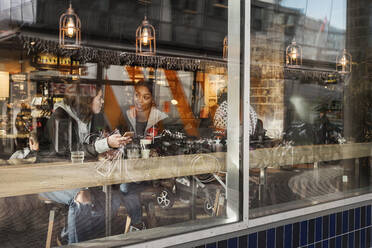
x=185 y=25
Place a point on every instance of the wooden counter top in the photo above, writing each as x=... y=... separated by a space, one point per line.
x=280 y=156
x=35 y=178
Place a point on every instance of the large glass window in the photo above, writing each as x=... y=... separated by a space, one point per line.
x=311 y=93
x=103 y=135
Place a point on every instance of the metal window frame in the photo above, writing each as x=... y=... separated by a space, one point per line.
x=234 y=165
x=246 y=225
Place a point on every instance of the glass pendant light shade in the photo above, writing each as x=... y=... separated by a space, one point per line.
x=145 y=38
x=293 y=55
x=344 y=63
x=69 y=30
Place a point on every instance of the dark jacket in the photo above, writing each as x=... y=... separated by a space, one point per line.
x=61 y=136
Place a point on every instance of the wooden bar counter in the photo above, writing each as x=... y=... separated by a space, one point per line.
x=281 y=156
x=43 y=177
x=35 y=178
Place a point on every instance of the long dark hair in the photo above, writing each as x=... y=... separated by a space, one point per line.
x=81 y=98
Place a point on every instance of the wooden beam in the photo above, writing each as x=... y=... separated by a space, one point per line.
x=134 y=73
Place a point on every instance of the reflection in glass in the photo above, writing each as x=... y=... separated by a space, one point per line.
x=293 y=55
x=344 y=63
x=315 y=118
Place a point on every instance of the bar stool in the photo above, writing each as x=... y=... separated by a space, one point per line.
x=123 y=212
x=55 y=210
x=128 y=221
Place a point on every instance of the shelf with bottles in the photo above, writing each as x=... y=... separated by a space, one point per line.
x=41 y=107
x=18 y=90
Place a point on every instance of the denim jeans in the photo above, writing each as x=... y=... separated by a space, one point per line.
x=85 y=221
x=75 y=210
x=132 y=201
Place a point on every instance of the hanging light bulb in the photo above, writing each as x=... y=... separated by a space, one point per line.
x=293 y=56
x=69 y=29
x=344 y=63
x=294 y=53
x=145 y=38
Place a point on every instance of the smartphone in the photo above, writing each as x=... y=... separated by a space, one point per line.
x=128 y=134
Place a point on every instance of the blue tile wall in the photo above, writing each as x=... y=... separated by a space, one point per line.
x=279 y=237
x=347 y=229
x=252 y=240
x=271 y=238
x=288 y=236
x=304 y=231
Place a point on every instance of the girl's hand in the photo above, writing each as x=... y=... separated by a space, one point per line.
x=116 y=140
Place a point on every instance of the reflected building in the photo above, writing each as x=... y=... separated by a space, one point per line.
x=358 y=91
x=273 y=28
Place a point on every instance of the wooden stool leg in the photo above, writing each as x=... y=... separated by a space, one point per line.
x=127 y=224
x=216 y=201
x=50 y=228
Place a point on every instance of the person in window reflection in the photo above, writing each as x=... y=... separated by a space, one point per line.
x=146 y=121
x=28 y=153
x=322 y=127
x=70 y=128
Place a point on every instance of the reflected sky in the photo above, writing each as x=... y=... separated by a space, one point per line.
x=333 y=10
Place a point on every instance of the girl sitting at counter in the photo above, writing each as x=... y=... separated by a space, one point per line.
x=69 y=129
x=146 y=121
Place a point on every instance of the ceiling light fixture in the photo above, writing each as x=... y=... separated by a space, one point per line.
x=69 y=30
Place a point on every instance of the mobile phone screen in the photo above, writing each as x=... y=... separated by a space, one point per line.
x=128 y=134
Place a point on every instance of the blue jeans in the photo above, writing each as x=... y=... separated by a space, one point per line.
x=75 y=210
x=84 y=221
x=132 y=201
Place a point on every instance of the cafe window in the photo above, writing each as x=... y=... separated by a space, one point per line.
x=99 y=139
x=173 y=123
x=310 y=89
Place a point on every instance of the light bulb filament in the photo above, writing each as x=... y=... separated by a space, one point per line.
x=145 y=36
x=294 y=53
x=70 y=28
x=343 y=61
